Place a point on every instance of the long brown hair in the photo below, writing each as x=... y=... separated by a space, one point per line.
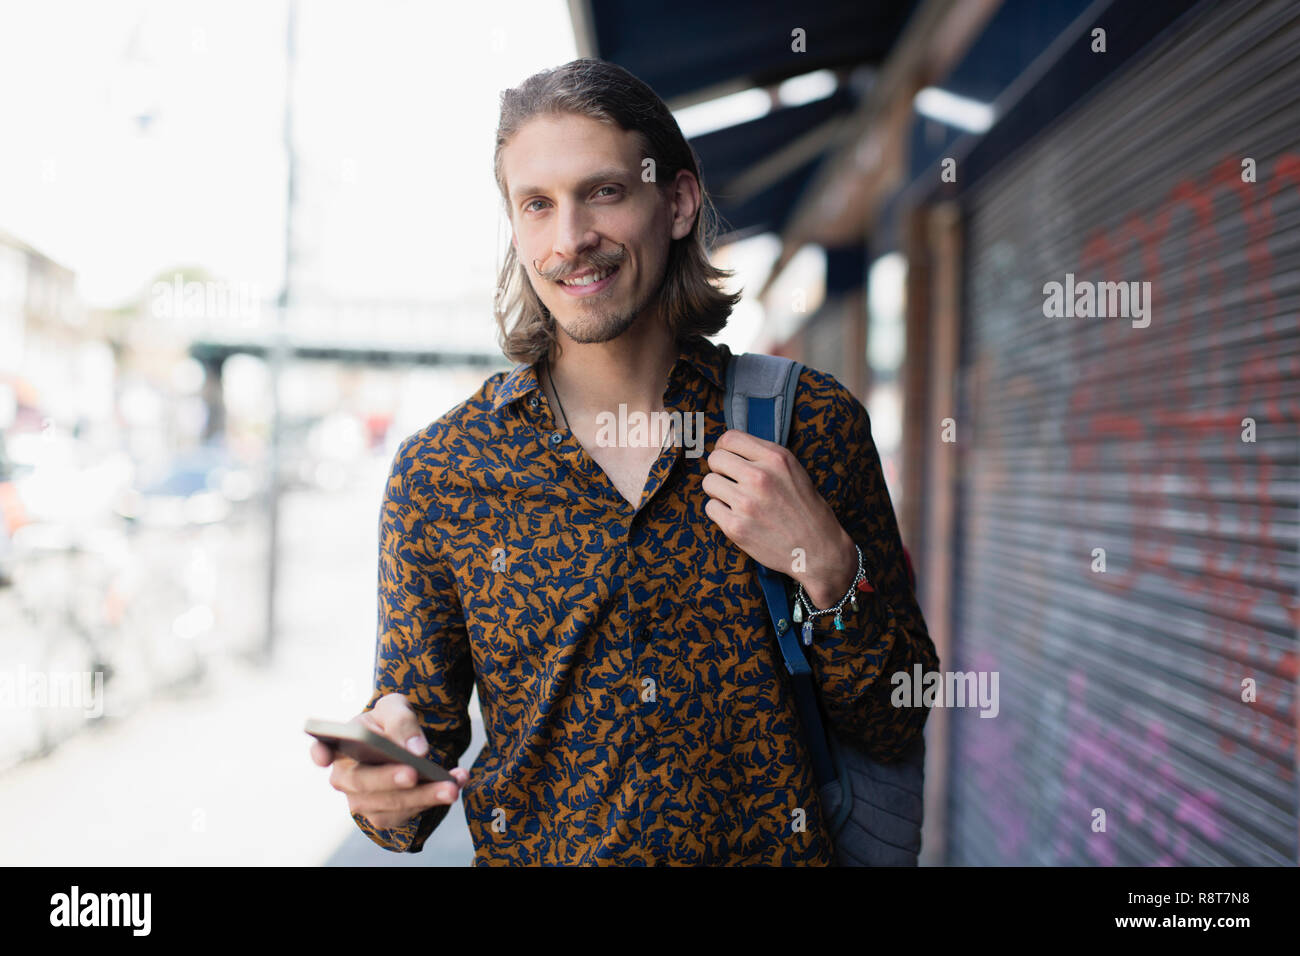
x=688 y=299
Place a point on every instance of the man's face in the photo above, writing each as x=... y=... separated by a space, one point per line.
x=578 y=206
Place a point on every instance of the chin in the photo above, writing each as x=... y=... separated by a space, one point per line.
x=591 y=330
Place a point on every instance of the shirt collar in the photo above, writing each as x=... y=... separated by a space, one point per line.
x=708 y=359
x=521 y=380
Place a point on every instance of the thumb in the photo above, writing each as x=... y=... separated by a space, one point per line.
x=400 y=723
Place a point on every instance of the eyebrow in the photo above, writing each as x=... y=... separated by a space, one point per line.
x=600 y=175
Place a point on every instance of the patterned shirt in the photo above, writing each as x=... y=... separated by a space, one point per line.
x=635 y=703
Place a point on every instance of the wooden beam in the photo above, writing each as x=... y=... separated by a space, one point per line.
x=944 y=238
x=842 y=201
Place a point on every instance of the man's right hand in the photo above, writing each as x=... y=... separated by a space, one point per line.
x=387 y=795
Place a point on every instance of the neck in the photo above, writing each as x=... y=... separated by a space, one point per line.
x=631 y=370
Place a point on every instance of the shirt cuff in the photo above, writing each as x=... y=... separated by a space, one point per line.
x=867 y=639
x=408 y=838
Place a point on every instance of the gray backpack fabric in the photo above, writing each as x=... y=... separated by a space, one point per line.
x=873 y=810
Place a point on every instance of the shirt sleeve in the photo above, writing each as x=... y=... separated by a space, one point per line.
x=422 y=649
x=887 y=634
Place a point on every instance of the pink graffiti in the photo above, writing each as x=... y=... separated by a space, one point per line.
x=1132 y=773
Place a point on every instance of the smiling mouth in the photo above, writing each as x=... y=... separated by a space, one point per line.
x=588 y=284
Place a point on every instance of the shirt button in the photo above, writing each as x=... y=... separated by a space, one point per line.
x=556 y=438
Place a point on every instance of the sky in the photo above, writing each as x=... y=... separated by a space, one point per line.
x=141 y=136
x=144 y=136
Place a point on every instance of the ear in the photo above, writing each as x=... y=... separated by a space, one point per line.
x=685 y=203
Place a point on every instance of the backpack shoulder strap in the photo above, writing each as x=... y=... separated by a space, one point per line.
x=769 y=378
x=760 y=400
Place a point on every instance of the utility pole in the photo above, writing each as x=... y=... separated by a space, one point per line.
x=279 y=345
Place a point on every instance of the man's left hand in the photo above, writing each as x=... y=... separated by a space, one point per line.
x=763 y=500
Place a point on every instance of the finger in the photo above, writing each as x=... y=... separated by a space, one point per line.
x=722 y=489
x=321 y=753
x=374 y=778
x=729 y=464
x=718 y=513
x=400 y=723
x=418 y=798
x=444 y=791
x=403 y=804
x=744 y=444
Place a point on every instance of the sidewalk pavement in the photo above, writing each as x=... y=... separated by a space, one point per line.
x=220 y=774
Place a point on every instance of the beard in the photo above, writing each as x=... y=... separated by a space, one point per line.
x=603 y=323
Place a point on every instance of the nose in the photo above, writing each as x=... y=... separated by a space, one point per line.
x=573 y=232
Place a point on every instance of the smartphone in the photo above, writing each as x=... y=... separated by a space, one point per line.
x=365 y=746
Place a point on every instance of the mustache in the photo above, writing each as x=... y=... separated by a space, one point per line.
x=599 y=261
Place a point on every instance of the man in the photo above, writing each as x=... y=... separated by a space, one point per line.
x=602 y=595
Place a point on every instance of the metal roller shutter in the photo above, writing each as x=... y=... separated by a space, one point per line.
x=1123 y=690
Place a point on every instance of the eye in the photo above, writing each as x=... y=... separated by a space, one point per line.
x=528 y=206
x=603 y=188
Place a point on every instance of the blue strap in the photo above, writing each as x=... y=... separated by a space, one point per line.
x=761 y=423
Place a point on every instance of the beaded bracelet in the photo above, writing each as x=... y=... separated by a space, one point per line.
x=860 y=583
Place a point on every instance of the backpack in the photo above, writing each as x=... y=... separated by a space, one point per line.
x=872 y=810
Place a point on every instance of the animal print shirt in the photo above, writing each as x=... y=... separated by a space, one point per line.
x=634 y=701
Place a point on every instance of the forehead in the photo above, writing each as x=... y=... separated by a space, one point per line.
x=554 y=151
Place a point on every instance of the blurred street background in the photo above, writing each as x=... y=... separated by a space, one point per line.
x=248 y=247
